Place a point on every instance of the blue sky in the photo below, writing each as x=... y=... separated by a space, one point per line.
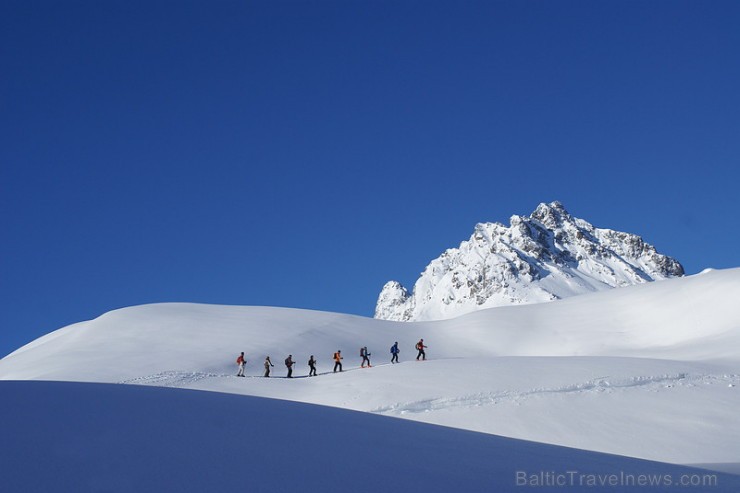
x=302 y=154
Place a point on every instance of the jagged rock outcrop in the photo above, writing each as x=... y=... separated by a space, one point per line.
x=547 y=256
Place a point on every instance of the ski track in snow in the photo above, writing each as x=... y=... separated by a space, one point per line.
x=595 y=386
x=174 y=378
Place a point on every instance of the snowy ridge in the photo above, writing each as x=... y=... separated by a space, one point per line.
x=655 y=360
x=547 y=256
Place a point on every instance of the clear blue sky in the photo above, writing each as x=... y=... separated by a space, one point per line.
x=302 y=154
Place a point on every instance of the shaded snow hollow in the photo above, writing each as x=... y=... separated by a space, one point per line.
x=71 y=437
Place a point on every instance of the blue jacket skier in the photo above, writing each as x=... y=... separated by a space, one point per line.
x=394 y=352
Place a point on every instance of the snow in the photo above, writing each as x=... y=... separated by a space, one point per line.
x=72 y=437
x=649 y=371
x=547 y=256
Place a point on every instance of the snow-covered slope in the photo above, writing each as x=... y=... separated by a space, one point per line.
x=659 y=361
x=547 y=256
x=68 y=438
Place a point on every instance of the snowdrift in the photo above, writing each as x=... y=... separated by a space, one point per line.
x=68 y=437
x=658 y=361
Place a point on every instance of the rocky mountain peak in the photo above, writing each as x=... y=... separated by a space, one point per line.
x=551 y=215
x=545 y=256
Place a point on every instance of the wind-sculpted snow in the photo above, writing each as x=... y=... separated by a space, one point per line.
x=69 y=438
x=657 y=361
x=547 y=256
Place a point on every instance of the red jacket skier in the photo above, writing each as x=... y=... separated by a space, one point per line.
x=420 y=347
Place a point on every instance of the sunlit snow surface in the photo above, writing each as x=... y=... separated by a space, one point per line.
x=650 y=371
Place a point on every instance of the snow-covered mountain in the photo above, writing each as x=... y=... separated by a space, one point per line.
x=547 y=256
x=659 y=361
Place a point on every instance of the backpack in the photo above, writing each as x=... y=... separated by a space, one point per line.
x=288 y=362
x=362 y=351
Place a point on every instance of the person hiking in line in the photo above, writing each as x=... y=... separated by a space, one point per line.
x=338 y=360
x=394 y=352
x=289 y=363
x=312 y=366
x=365 y=357
x=268 y=364
x=240 y=361
x=420 y=347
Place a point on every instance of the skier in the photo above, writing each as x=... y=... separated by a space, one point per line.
x=338 y=361
x=289 y=363
x=312 y=366
x=268 y=364
x=365 y=357
x=240 y=361
x=420 y=347
x=394 y=352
